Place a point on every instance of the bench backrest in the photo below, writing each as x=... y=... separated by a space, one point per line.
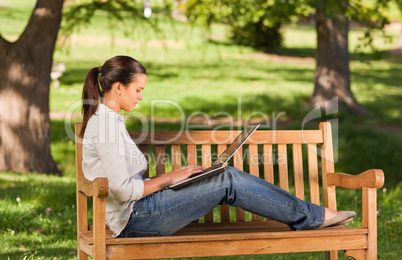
x=270 y=154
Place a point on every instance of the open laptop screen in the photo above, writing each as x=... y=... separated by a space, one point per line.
x=237 y=143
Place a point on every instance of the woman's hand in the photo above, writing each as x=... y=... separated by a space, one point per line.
x=184 y=173
x=166 y=179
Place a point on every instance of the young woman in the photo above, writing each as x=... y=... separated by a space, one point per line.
x=137 y=207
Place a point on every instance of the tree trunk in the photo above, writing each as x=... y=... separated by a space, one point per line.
x=332 y=74
x=24 y=92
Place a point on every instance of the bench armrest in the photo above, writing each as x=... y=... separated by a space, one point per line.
x=373 y=178
x=99 y=187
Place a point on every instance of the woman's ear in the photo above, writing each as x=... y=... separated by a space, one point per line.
x=117 y=88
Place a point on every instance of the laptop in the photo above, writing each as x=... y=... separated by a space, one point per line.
x=218 y=166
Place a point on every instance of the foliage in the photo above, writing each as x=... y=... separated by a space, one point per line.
x=253 y=20
x=122 y=14
x=258 y=35
x=373 y=16
x=254 y=23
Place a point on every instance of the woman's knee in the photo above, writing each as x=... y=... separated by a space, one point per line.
x=234 y=172
x=236 y=176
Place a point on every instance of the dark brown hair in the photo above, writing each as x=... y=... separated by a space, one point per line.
x=121 y=69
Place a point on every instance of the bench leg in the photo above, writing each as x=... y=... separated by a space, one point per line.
x=331 y=255
x=99 y=240
x=370 y=220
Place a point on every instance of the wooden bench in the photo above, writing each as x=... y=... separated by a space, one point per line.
x=233 y=231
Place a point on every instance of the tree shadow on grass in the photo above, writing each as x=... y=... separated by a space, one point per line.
x=251 y=106
x=258 y=105
x=362 y=147
x=231 y=69
x=381 y=91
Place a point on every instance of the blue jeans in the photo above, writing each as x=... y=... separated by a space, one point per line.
x=167 y=211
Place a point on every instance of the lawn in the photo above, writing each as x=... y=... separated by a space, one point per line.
x=189 y=75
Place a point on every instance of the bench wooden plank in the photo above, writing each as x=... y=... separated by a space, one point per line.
x=298 y=170
x=82 y=201
x=176 y=157
x=313 y=173
x=241 y=246
x=327 y=166
x=283 y=167
x=370 y=219
x=225 y=209
x=145 y=151
x=230 y=231
x=253 y=164
x=192 y=159
x=191 y=154
x=268 y=163
x=160 y=159
x=226 y=137
x=206 y=162
x=238 y=163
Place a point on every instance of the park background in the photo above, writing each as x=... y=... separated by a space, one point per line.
x=202 y=70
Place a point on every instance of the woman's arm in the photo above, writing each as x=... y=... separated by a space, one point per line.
x=166 y=179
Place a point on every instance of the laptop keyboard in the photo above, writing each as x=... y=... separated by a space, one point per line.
x=206 y=170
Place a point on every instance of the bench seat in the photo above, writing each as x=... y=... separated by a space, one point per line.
x=204 y=239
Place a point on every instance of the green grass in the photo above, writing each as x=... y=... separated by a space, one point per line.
x=205 y=78
x=37 y=216
x=39 y=219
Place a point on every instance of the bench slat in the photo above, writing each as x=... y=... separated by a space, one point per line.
x=160 y=159
x=245 y=246
x=176 y=157
x=191 y=154
x=238 y=163
x=298 y=170
x=225 y=213
x=268 y=163
x=192 y=159
x=256 y=233
x=206 y=162
x=226 y=137
x=223 y=231
x=144 y=150
x=313 y=173
x=283 y=167
x=254 y=162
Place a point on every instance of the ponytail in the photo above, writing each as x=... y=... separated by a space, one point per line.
x=91 y=94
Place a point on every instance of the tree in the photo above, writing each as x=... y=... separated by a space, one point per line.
x=25 y=73
x=332 y=74
x=24 y=92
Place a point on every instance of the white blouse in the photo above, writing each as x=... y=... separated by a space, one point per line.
x=108 y=151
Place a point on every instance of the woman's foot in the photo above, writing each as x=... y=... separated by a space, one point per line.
x=335 y=218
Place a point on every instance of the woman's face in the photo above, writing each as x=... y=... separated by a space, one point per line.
x=132 y=93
